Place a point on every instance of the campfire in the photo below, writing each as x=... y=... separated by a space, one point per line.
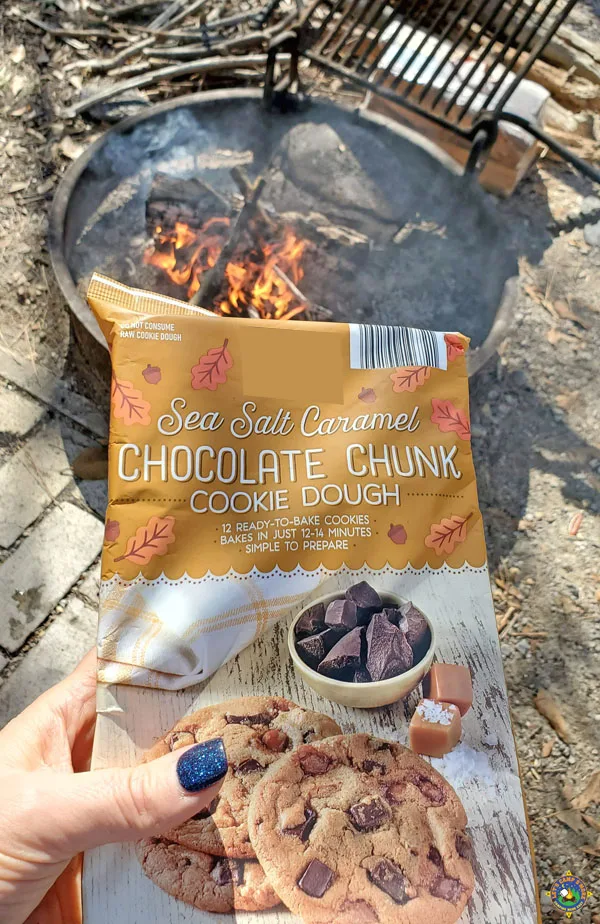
x=255 y=283
x=247 y=262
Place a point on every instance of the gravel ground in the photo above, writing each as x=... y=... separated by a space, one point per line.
x=535 y=421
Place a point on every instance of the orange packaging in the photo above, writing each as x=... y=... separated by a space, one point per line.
x=293 y=513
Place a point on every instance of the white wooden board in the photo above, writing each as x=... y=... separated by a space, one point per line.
x=459 y=603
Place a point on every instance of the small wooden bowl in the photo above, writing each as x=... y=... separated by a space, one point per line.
x=362 y=695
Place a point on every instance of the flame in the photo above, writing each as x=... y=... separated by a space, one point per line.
x=254 y=287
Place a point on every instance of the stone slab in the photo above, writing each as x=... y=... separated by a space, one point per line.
x=90 y=585
x=30 y=480
x=43 y=384
x=59 y=650
x=18 y=413
x=44 y=568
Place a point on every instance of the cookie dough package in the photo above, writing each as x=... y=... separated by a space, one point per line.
x=294 y=562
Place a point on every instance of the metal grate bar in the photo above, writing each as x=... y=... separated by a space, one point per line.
x=535 y=52
x=511 y=38
x=333 y=9
x=360 y=81
x=338 y=28
x=466 y=53
x=443 y=35
x=389 y=70
x=371 y=20
x=426 y=37
x=377 y=38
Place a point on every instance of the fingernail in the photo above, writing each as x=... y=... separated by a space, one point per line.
x=202 y=765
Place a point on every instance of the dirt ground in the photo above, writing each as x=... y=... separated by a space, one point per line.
x=535 y=422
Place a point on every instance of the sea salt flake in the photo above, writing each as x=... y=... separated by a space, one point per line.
x=434 y=712
x=465 y=765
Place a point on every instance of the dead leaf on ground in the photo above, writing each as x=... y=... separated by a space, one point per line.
x=591 y=821
x=575 y=523
x=548 y=747
x=17 y=55
x=17 y=84
x=591 y=851
x=547 y=706
x=568 y=400
x=590 y=794
x=554 y=335
x=573 y=820
x=71 y=148
x=563 y=309
x=91 y=464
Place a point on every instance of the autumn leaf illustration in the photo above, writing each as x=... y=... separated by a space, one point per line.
x=410 y=378
x=128 y=403
x=149 y=540
x=454 y=345
x=450 y=419
x=444 y=536
x=211 y=369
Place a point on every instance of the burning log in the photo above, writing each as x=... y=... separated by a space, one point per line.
x=213 y=279
x=313 y=312
x=174 y=199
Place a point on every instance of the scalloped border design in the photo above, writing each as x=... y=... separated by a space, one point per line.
x=255 y=574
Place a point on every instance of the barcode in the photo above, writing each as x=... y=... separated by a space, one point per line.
x=375 y=346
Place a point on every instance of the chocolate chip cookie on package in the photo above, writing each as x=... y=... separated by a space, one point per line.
x=257 y=732
x=357 y=830
x=214 y=884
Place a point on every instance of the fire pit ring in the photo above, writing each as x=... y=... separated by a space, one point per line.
x=87 y=184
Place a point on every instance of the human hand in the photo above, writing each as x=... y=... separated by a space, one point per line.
x=52 y=808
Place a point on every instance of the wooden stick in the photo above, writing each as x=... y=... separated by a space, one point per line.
x=213 y=278
x=240 y=42
x=204 y=66
x=63 y=31
x=313 y=312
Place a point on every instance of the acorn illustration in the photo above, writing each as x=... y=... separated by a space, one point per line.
x=112 y=530
x=152 y=374
x=367 y=395
x=397 y=534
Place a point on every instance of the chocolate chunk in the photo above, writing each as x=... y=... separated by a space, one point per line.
x=388 y=652
x=313 y=762
x=275 y=740
x=372 y=766
x=362 y=675
x=448 y=889
x=369 y=814
x=342 y=615
x=206 y=812
x=435 y=857
x=313 y=648
x=180 y=739
x=261 y=718
x=430 y=790
x=367 y=600
x=390 y=879
x=311 y=622
x=464 y=848
x=227 y=871
x=345 y=656
x=248 y=766
x=414 y=624
x=393 y=614
x=303 y=830
x=316 y=879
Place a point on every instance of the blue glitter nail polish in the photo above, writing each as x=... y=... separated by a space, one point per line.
x=202 y=765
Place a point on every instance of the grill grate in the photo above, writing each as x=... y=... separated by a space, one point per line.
x=455 y=62
x=480 y=50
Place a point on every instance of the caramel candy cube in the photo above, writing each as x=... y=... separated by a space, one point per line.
x=435 y=728
x=450 y=683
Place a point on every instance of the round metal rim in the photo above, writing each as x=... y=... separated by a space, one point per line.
x=58 y=212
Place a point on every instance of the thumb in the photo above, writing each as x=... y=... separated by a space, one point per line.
x=105 y=806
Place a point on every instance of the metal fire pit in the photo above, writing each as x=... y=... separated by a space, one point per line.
x=431 y=252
